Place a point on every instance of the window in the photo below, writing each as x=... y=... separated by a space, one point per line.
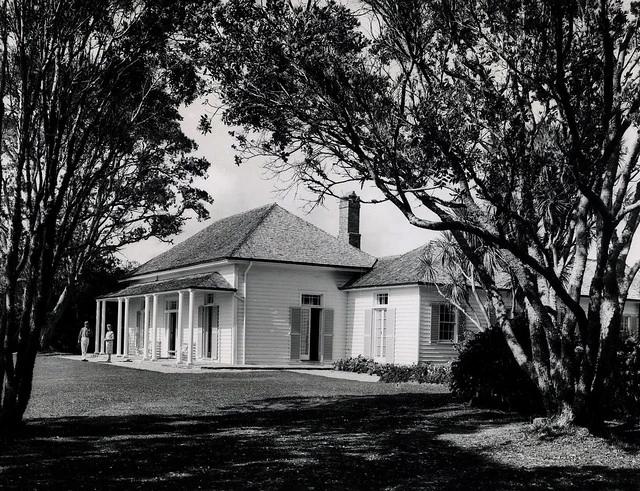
x=209 y=299
x=311 y=299
x=447 y=327
x=171 y=305
x=382 y=299
x=380 y=333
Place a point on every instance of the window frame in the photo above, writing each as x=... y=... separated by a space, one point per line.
x=311 y=295
x=377 y=296
x=453 y=323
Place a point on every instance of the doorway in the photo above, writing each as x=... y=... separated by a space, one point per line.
x=172 y=323
x=314 y=334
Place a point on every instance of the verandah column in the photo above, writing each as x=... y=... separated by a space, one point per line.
x=154 y=328
x=190 y=348
x=125 y=337
x=179 y=334
x=103 y=326
x=119 y=329
x=147 y=308
x=96 y=330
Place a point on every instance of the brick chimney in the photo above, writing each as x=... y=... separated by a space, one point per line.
x=349 y=229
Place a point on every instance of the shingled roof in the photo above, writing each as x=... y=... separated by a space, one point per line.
x=405 y=269
x=205 y=281
x=268 y=233
x=410 y=269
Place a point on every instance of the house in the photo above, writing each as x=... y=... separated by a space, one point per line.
x=267 y=287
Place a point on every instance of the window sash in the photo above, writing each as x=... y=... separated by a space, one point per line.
x=447 y=325
x=313 y=300
x=382 y=299
x=379 y=333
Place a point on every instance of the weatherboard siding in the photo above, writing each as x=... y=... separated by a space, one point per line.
x=271 y=291
x=405 y=301
x=440 y=352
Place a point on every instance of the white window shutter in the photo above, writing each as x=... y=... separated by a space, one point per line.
x=633 y=328
x=295 y=318
x=367 y=333
x=390 y=325
x=215 y=317
x=435 y=323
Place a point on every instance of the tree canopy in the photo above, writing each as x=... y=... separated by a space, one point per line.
x=510 y=124
x=93 y=156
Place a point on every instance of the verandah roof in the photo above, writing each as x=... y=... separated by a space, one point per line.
x=205 y=281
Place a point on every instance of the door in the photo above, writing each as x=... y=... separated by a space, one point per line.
x=172 y=324
x=305 y=334
x=380 y=335
x=310 y=334
x=210 y=332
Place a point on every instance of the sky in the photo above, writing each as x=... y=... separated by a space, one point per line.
x=235 y=189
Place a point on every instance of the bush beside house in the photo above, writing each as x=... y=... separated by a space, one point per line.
x=423 y=373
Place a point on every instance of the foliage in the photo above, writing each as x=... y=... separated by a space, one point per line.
x=93 y=156
x=625 y=402
x=358 y=364
x=509 y=124
x=423 y=373
x=486 y=375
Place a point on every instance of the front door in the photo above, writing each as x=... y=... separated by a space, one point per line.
x=310 y=322
x=172 y=323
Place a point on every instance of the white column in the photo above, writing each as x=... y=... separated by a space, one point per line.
x=125 y=337
x=147 y=313
x=119 y=329
x=96 y=330
x=103 y=326
x=179 y=334
x=154 y=328
x=190 y=346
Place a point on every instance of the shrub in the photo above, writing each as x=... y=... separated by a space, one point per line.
x=486 y=374
x=424 y=373
x=359 y=364
x=626 y=382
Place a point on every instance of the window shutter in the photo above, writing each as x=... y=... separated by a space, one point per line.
x=367 y=333
x=294 y=336
x=435 y=323
x=390 y=334
x=200 y=316
x=327 y=335
x=462 y=327
x=633 y=327
x=215 y=318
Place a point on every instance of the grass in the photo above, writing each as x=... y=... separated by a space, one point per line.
x=95 y=426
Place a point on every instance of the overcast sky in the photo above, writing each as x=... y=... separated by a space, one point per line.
x=385 y=231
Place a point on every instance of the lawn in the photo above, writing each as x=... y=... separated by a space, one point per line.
x=109 y=427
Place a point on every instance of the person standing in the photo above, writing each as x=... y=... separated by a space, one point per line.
x=83 y=340
x=108 y=342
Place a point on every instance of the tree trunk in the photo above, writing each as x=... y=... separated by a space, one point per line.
x=53 y=318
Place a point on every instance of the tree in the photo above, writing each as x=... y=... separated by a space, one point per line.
x=512 y=122
x=93 y=156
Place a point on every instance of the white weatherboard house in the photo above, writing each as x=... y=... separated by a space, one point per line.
x=265 y=287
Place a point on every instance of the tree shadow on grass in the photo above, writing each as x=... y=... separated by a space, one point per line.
x=346 y=442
